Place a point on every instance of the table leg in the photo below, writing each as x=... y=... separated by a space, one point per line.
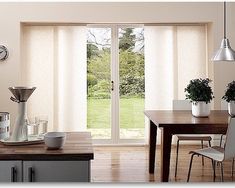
x=152 y=146
x=165 y=154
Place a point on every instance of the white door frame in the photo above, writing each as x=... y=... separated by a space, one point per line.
x=115 y=127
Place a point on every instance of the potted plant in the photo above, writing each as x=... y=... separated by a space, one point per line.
x=200 y=94
x=229 y=96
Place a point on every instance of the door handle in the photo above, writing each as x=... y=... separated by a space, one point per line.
x=30 y=174
x=13 y=174
x=112 y=85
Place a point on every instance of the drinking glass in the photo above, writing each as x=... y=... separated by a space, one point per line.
x=32 y=127
x=42 y=122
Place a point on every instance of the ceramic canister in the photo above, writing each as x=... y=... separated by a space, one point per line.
x=4 y=125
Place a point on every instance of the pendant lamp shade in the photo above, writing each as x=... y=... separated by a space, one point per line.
x=225 y=52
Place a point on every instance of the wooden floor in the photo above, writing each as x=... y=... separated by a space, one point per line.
x=130 y=164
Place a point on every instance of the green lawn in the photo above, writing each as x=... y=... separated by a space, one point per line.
x=131 y=113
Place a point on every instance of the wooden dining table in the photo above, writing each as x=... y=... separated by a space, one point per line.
x=172 y=122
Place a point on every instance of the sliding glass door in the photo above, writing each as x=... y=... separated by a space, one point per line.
x=98 y=82
x=131 y=82
x=115 y=79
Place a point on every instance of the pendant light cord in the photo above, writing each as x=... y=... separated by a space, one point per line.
x=225 y=19
x=225 y=52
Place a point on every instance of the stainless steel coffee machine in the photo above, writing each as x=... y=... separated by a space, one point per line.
x=21 y=95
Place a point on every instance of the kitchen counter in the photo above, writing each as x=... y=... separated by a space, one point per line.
x=78 y=146
x=37 y=163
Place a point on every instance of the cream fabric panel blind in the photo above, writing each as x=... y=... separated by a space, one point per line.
x=191 y=56
x=159 y=58
x=173 y=56
x=54 y=61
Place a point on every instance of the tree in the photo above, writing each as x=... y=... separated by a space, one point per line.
x=131 y=66
x=92 y=50
x=127 y=41
x=131 y=74
x=139 y=42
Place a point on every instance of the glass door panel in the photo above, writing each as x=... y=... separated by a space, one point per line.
x=131 y=83
x=98 y=82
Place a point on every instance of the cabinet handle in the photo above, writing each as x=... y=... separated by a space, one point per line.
x=30 y=174
x=13 y=174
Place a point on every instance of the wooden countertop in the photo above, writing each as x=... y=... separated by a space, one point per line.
x=78 y=146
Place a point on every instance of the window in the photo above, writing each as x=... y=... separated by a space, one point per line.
x=75 y=68
x=115 y=77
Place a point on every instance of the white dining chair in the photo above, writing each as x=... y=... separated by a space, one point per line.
x=218 y=154
x=224 y=106
x=186 y=105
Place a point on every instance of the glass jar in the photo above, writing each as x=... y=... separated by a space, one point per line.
x=4 y=125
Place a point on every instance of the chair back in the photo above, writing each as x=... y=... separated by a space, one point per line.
x=182 y=105
x=229 y=148
x=223 y=105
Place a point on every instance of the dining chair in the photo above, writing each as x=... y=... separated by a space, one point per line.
x=186 y=105
x=218 y=154
x=224 y=106
x=221 y=145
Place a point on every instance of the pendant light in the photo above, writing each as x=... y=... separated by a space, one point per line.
x=225 y=53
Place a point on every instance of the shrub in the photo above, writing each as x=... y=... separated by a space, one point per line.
x=199 y=90
x=230 y=92
x=91 y=80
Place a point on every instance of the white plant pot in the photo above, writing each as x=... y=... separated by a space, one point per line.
x=201 y=109
x=231 y=108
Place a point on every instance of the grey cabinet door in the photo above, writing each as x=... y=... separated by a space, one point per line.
x=10 y=171
x=56 y=171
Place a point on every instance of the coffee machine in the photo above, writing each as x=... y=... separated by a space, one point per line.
x=21 y=95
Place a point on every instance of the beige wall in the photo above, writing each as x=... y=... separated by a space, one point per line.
x=13 y=14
